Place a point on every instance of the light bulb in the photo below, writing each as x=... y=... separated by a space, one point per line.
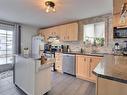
x=54 y=10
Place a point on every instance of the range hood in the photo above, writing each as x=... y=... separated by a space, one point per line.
x=54 y=40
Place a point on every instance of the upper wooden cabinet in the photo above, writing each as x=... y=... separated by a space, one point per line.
x=117 y=5
x=72 y=30
x=85 y=65
x=116 y=21
x=62 y=32
x=45 y=33
x=68 y=32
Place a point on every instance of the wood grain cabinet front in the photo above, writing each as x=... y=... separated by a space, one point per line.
x=67 y=32
x=85 y=65
x=82 y=67
x=117 y=5
x=72 y=30
x=58 y=63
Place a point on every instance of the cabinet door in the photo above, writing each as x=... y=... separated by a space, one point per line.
x=63 y=32
x=117 y=4
x=81 y=66
x=72 y=30
x=93 y=63
x=58 y=63
x=116 y=21
x=43 y=32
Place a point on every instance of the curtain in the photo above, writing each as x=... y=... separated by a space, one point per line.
x=17 y=39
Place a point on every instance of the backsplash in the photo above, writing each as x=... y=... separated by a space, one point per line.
x=75 y=46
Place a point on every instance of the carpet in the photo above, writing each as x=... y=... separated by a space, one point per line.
x=6 y=74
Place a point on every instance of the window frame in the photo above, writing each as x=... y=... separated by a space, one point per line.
x=105 y=39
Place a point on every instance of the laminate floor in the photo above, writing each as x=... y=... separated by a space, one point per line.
x=62 y=84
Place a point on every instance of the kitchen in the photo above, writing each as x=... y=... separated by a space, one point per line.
x=82 y=56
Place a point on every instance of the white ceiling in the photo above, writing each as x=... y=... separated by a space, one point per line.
x=32 y=11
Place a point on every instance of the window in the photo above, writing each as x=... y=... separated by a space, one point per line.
x=94 y=34
x=6 y=46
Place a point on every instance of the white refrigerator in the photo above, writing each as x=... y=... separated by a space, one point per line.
x=37 y=46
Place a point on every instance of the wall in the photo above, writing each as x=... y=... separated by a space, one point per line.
x=26 y=36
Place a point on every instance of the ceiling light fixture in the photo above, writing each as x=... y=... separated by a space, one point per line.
x=50 y=7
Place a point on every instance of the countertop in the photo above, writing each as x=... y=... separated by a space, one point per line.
x=35 y=57
x=84 y=53
x=113 y=68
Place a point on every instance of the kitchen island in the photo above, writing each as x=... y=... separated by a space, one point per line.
x=111 y=75
x=31 y=76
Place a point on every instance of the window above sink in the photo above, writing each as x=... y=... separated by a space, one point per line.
x=94 y=34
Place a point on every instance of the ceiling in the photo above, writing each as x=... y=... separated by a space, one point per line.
x=32 y=12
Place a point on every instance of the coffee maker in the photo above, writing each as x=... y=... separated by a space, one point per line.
x=117 y=49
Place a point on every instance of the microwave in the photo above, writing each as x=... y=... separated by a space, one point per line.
x=120 y=32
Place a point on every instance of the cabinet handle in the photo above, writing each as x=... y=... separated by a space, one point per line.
x=90 y=71
x=84 y=59
x=90 y=60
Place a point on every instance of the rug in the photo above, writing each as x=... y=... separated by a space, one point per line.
x=6 y=74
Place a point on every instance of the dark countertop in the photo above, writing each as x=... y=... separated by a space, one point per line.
x=88 y=54
x=29 y=56
x=113 y=68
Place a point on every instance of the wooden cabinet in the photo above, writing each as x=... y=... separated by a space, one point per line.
x=44 y=33
x=110 y=87
x=82 y=66
x=68 y=32
x=85 y=65
x=62 y=32
x=117 y=5
x=72 y=30
x=93 y=63
x=58 y=63
x=116 y=21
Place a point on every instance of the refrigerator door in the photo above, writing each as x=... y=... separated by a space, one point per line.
x=37 y=45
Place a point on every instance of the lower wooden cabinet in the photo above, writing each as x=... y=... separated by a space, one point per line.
x=82 y=66
x=93 y=63
x=85 y=65
x=58 y=63
x=110 y=87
